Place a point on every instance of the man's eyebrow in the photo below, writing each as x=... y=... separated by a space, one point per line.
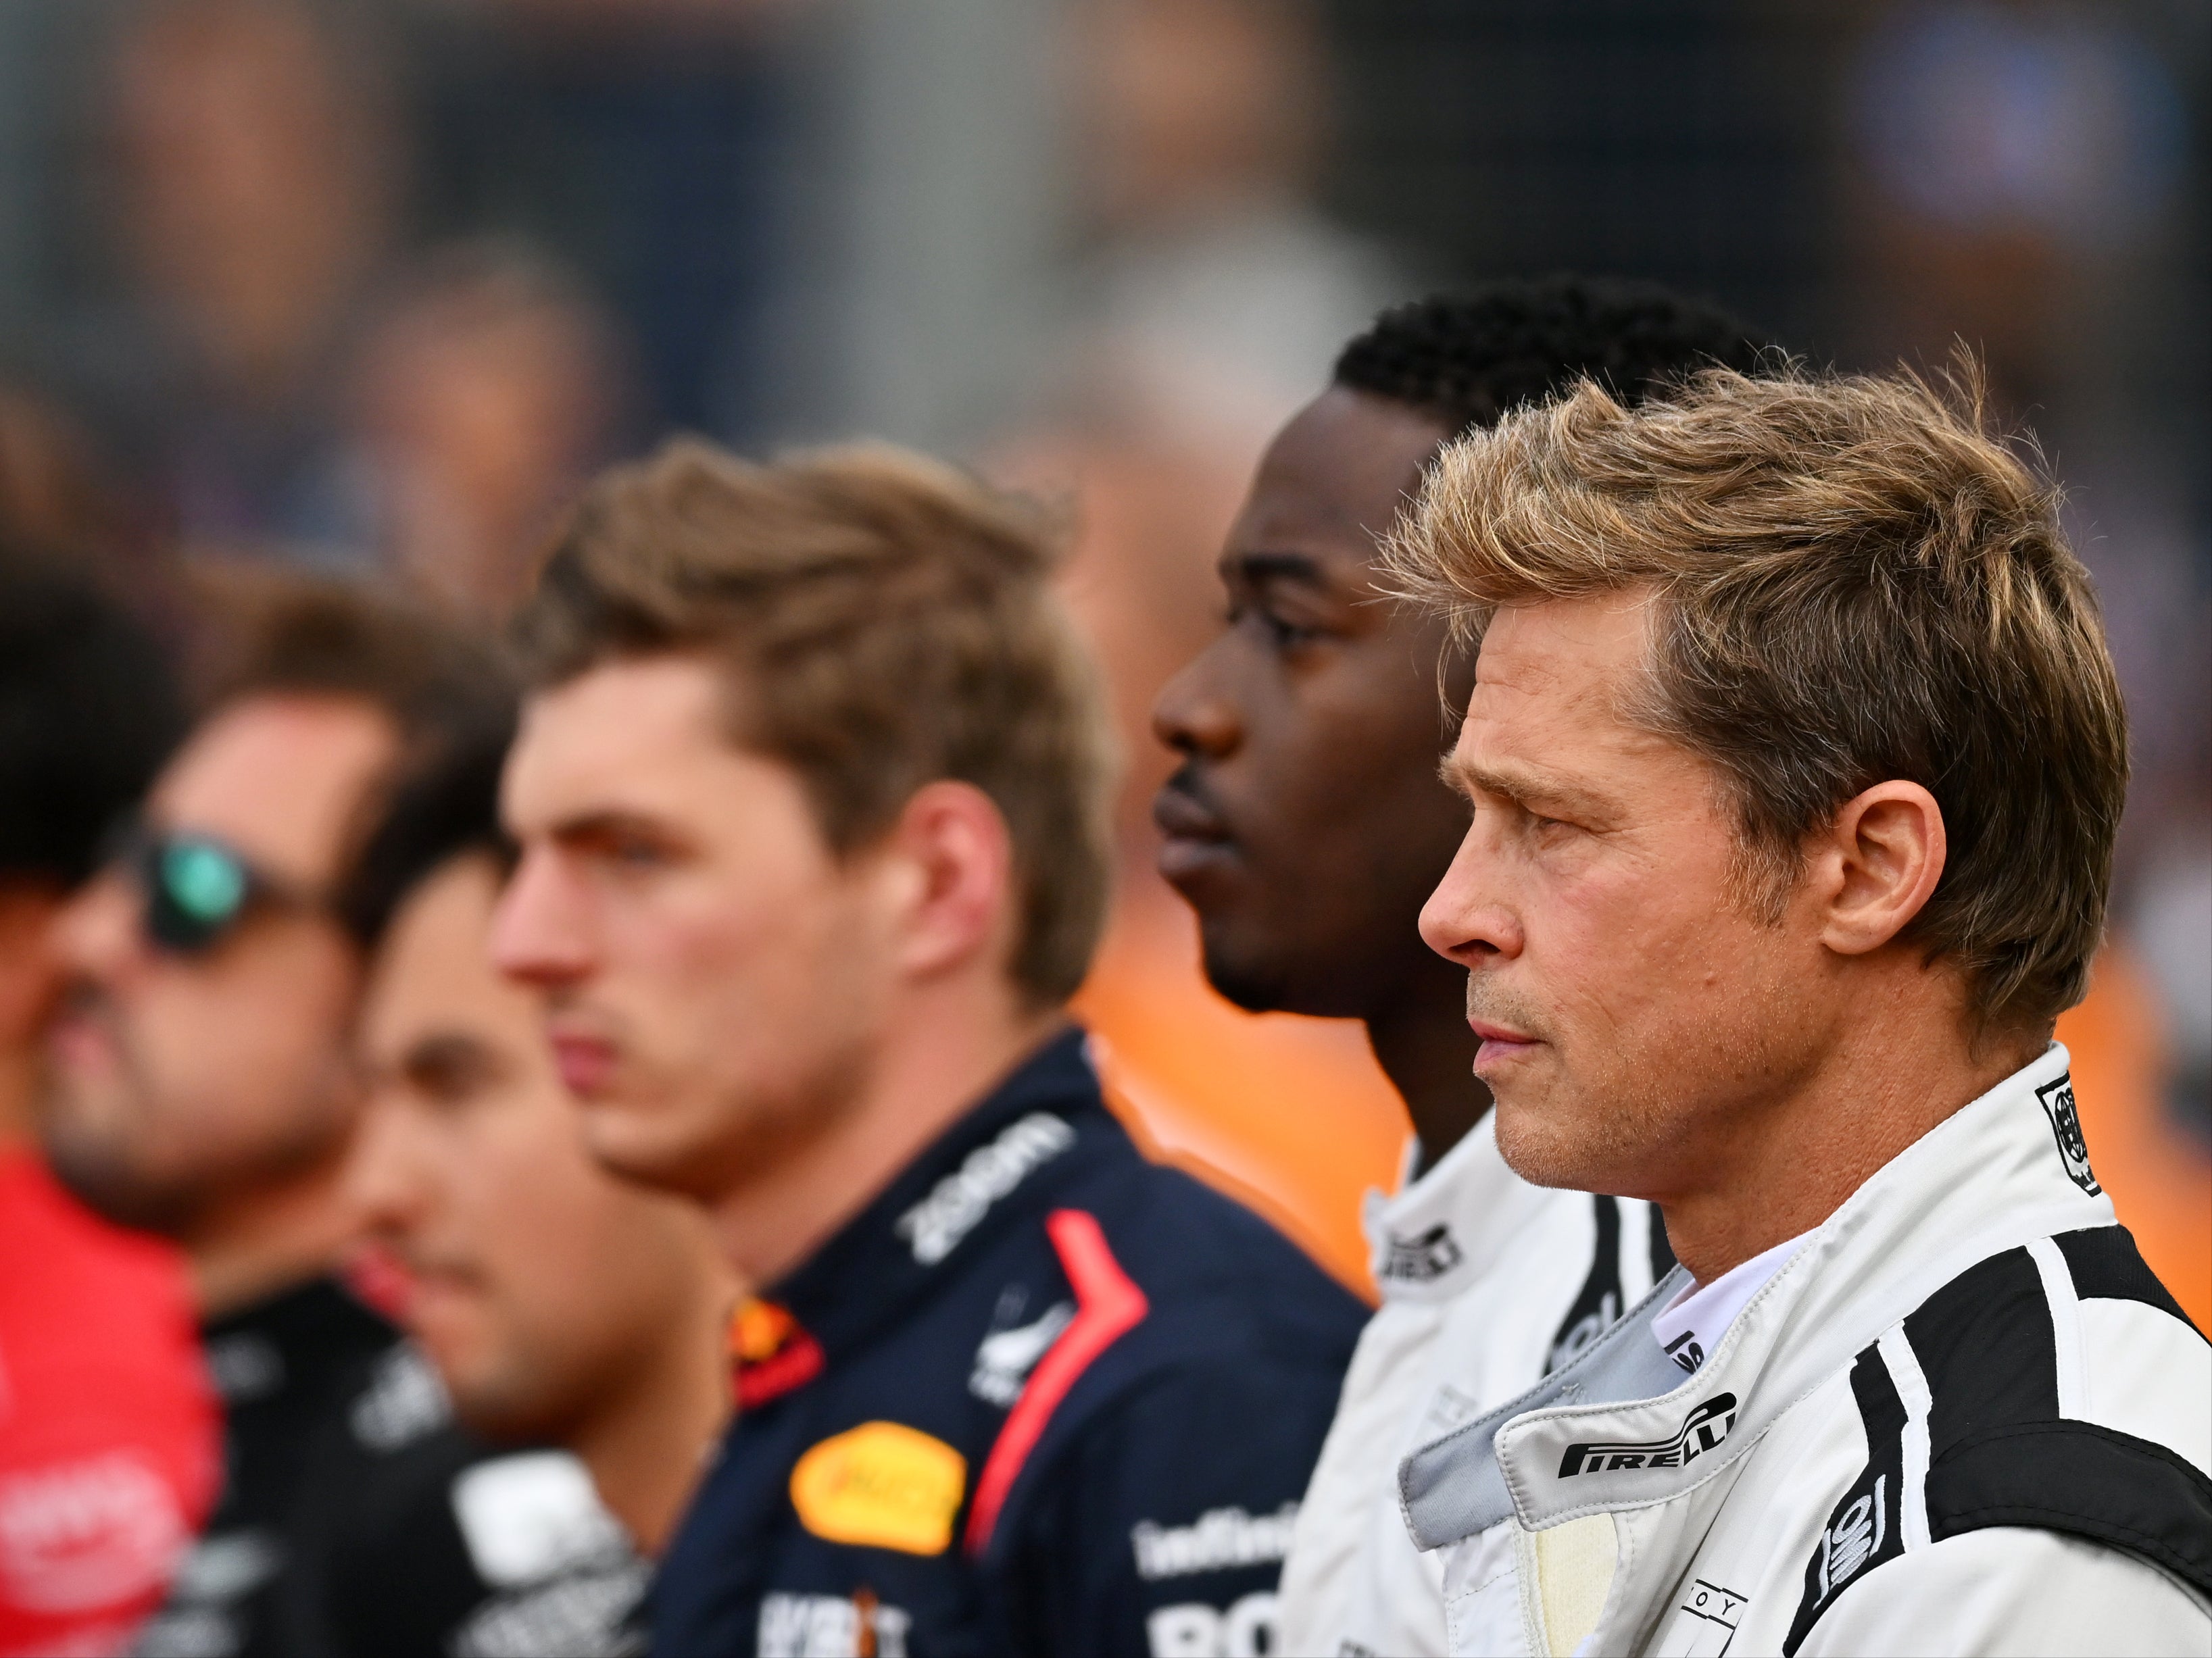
x=590 y=825
x=1256 y=567
x=1526 y=787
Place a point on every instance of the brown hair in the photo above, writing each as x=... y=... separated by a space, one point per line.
x=257 y=630
x=886 y=621
x=1852 y=582
x=253 y=629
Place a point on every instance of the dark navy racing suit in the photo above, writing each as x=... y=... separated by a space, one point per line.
x=1042 y=1396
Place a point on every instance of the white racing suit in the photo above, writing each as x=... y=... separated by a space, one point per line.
x=1487 y=1282
x=1964 y=1418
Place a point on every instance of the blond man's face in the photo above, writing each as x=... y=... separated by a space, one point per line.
x=1631 y=1009
x=711 y=978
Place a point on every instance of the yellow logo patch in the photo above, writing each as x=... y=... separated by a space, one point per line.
x=883 y=1485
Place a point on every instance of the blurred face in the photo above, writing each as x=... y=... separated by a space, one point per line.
x=246 y=204
x=1306 y=824
x=1632 y=1013
x=711 y=978
x=180 y=1079
x=538 y=1281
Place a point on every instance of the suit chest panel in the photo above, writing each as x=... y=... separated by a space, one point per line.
x=1746 y=1575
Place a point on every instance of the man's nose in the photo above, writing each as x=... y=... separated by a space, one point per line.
x=383 y=1181
x=1191 y=715
x=1468 y=918
x=537 y=937
x=99 y=933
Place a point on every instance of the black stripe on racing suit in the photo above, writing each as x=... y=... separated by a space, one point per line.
x=1999 y=1451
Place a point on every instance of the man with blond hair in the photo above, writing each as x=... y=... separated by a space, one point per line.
x=810 y=801
x=1796 y=754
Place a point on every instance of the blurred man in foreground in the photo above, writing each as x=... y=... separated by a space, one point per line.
x=1795 y=756
x=812 y=800
x=1306 y=826
x=201 y=1088
x=562 y=1305
x=108 y=1430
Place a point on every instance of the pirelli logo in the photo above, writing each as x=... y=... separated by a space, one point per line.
x=1701 y=1430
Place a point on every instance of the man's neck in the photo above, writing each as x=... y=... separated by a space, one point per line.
x=648 y=1443
x=1783 y=1169
x=253 y=1245
x=938 y=1056
x=1422 y=1041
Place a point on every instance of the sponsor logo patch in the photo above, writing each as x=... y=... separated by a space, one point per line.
x=531 y=1516
x=1244 y=1630
x=1218 y=1539
x=770 y=1353
x=1864 y=1528
x=934 y=1227
x=1005 y=1357
x=1685 y=1352
x=881 y=1486
x=79 y=1535
x=857 y=1626
x=1718 y=1610
x=2057 y=1101
x=1701 y=1431
x=1852 y=1540
x=1423 y=1257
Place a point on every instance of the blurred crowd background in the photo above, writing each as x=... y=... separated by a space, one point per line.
x=371 y=286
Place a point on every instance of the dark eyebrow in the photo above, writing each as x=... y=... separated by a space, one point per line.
x=589 y=825
x=1275 y=567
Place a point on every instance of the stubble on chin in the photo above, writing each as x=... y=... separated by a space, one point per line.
x=1559 y=1136
x=1562 y=1121
x=723 y=1144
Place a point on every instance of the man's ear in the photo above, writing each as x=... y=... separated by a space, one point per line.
x=1873 y=869
x=957 y=892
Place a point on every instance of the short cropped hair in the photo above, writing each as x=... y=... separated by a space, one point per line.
x=1853 y=580
x=881 y=622
x=1463 y=360
x=445 y=806
x=90 y=708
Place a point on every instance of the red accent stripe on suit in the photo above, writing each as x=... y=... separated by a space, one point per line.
x=1108 y=1305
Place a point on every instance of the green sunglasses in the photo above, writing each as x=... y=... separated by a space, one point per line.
x=196 y=888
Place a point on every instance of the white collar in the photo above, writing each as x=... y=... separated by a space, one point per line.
x=2004 y=1169
x=1438 y=1233
x=1691 y=1325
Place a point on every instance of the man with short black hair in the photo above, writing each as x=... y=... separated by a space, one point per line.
x=1306 y=825
x=811 y=801
x=1795 y=757
x=563 y=1307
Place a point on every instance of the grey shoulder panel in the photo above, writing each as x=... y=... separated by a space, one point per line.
x=1452 y=1488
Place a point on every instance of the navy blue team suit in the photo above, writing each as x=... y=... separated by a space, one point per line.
x=1041 y=1396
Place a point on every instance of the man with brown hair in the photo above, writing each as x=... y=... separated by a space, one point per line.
x=811 y=796
x=1795 y=756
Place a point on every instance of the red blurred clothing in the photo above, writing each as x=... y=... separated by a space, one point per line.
x=109 y=1433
